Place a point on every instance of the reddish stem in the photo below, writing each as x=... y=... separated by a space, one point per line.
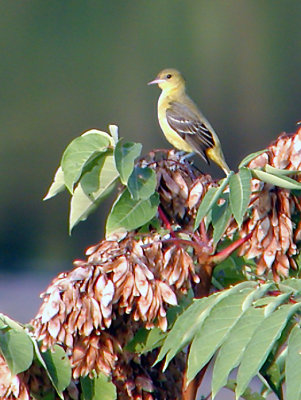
x=198 y=246
x=222 y=255
x=203 y=232
x=276 y=293
x=166 y=222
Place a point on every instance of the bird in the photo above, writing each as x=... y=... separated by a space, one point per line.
x=182 y=123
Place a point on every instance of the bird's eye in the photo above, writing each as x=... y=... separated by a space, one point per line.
x=168 y=76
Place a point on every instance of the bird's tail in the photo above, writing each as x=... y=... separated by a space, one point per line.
x=216 y=155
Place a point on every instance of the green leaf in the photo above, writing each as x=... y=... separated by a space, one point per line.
x=291 y=284
x=281 y=359
x=5 y=322
x=240 y=191
x=206 y=205
x=261 y=344
x=183 y=303
x=210 y=199
x=296 y=192
x=17 y=349
x=223 y=316
x=43 y=364
x=48 y=396
x=146 y=340
x=142 y=183
x=98 y=388
x=114 y=132
x=281 y=181
x=271 y=373
x=94 y=186
x=184 y=330
x=104 y=389
x=208 y=219
x=293 y=365
x=58 y=367
x=154 y=223
x=234 y=346
x=277 y=171
x=128 y=214
x=87 y=386
x=125 y=155
x=221 y=215
x=57 y=186
x=250 y=157
x=80 y=152
x=247 y=395
x=274 y=303
x=229 y=271
x=3 y=325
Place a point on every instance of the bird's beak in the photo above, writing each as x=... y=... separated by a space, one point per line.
x=157 y=80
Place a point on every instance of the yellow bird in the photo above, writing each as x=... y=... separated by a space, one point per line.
x=183 y=125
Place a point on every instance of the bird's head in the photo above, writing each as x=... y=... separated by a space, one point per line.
x=169 y=79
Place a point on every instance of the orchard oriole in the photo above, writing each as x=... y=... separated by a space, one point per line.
x=183 y=125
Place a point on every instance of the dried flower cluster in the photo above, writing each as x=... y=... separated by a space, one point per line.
x=180 y=186
x=273 y=240
x=11 y=387
x=136 y=378
x=85 y=309
x=133 y=276
x=31 y=384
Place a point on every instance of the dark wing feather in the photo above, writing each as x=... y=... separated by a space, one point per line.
x=189 y=126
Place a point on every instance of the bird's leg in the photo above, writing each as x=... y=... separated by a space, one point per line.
x=181 y=153
x=184 y=155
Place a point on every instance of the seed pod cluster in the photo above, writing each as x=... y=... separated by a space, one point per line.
x=12 y=387
x=138 y=277
x=180 y=186
x=274 y=237
x=31 y=384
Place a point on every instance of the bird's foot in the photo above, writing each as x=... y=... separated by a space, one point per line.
x=184 y=156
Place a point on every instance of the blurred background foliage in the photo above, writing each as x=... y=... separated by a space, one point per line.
x=69 y=66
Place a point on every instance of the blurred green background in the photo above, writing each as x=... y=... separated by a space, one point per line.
x=69 y=66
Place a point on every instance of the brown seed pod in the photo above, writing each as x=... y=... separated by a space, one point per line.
x=274 y=242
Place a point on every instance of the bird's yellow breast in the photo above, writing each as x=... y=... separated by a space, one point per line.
x=171 y=135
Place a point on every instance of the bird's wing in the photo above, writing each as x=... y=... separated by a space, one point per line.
x=190 y=127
